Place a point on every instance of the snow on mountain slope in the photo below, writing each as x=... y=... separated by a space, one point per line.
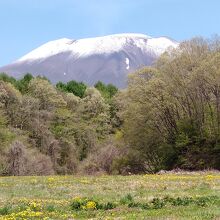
x=100 y=45
x=109 y=58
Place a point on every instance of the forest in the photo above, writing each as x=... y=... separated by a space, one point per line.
x=167 y=118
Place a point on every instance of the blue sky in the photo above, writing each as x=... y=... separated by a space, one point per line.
x=26 y=24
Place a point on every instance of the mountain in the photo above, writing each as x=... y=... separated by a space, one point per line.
x=109 y=58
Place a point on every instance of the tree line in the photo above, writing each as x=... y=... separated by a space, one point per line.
x=168 y=117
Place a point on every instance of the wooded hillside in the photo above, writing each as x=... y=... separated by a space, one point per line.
x=167 y=118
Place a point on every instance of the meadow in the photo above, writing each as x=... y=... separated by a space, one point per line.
x=164 y=196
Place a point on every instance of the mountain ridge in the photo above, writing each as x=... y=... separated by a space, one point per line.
x=109 y=58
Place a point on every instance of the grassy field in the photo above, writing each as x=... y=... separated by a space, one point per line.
x=166 y=196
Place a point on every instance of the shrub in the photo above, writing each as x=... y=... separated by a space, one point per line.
x=5 y=210
x=50 y=208
x=109 y=205
x=128 y=199
x=157 y=203
x=23 y=161
x=101 y=159
x=89 y=204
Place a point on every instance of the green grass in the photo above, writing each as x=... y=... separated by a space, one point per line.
x=167 y=196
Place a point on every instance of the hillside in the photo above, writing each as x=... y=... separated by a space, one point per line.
x=167 y=118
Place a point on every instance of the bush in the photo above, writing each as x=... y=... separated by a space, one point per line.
x=23 y=161
x=89 y=204
x=4 y=210
x=128 y=199
x=101 y=159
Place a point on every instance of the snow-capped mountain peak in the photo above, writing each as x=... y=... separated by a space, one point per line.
x=109 y=59
x=100 y=45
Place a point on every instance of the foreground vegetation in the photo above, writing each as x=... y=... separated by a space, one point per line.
x=165 y=196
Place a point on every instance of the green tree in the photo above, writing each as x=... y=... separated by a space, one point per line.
x=77 y=88
x=174 y=108
x=22 y=84
x=107 y=91
x=4 y=77
x=46 y=93
x=61 y=86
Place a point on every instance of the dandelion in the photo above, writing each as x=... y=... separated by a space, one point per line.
x=91 y=205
